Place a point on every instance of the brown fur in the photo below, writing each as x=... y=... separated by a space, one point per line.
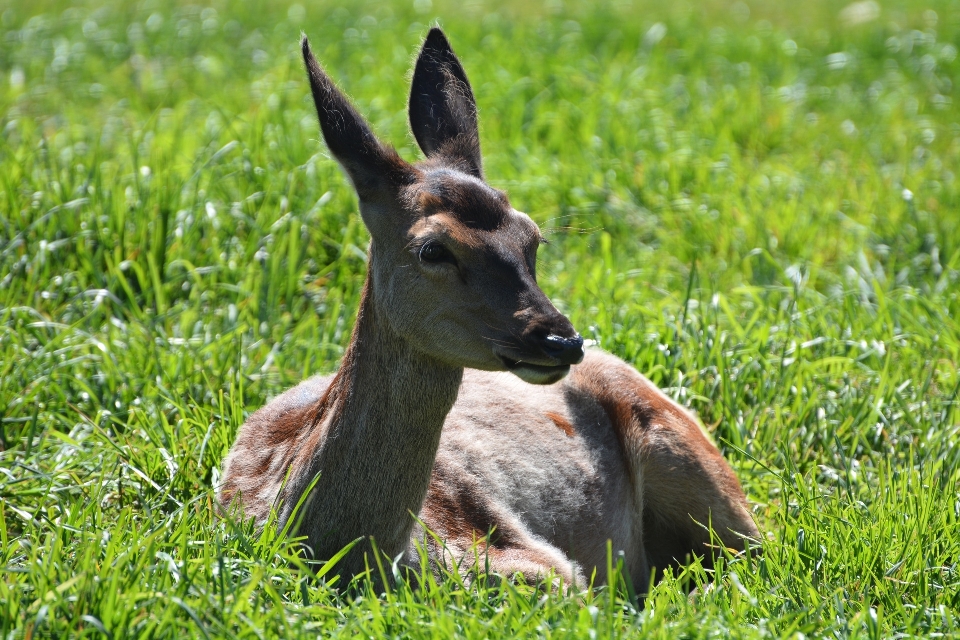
x=686 y=483
x=476 y=206
x=561 y=422
x=541 y=476
x=458 y=510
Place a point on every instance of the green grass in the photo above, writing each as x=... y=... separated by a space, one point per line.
x=725 y=191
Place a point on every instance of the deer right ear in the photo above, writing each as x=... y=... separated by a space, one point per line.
x=443 y=112
x=375 y=169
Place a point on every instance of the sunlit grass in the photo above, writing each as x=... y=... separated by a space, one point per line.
x=755 y=204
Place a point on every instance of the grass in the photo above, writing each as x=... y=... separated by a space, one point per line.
x=755 y=204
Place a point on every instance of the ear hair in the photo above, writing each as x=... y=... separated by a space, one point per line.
x=443 y=111
x=374 y=168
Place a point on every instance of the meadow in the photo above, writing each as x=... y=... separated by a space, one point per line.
x=756 y=204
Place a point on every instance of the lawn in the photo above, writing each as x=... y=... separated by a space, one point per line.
x=756 y=204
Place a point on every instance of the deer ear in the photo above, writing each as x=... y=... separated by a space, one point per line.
x=375 y=169
x=443 y=112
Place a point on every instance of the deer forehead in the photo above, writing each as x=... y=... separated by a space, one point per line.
x=473 y=202
x=469 y=211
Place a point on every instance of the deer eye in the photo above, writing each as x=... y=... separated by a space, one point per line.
x=434 y=252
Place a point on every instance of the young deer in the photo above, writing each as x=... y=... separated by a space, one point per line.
x=453 y=400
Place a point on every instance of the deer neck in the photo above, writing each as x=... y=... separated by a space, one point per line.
x=374 y=442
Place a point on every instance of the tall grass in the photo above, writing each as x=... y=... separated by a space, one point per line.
x=755 y=204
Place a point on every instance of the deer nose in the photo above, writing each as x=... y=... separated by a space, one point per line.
x=566 y=350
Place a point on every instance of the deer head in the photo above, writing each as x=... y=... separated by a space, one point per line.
x=452 y=264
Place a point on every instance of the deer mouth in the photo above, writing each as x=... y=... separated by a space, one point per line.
x=535 y=373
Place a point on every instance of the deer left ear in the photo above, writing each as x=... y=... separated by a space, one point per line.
x=443 y=111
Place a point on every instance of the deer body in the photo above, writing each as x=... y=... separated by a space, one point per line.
x=454 y=400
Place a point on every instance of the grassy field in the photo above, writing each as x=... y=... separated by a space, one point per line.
x=755 y=204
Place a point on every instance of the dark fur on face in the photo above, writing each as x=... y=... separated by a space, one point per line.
x=472 y=202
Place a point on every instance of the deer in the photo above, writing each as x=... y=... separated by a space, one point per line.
x=467 y=420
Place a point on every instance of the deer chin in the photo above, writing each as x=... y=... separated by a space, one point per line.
x=536 y=373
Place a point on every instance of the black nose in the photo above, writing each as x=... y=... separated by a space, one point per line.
x=566 y=350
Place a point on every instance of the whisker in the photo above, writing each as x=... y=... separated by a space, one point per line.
x=496 y=341
x=580 y=230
